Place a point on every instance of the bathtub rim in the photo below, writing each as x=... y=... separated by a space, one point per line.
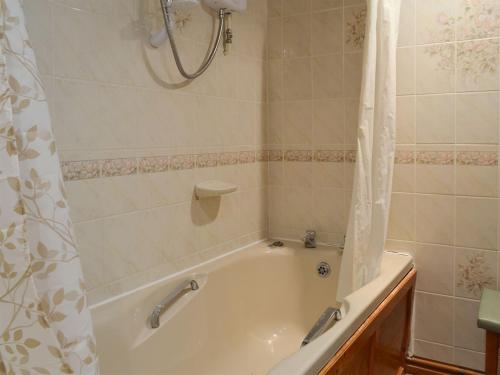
x=357 y=307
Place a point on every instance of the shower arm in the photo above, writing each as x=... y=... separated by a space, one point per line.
x=165 y=6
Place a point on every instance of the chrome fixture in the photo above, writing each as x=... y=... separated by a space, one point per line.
x=223 y=8
x=310 y=239
x=325 y=321
x=160 y=308
x=323 y=269
x=276 y=244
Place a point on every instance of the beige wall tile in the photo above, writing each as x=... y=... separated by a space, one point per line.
x=477 y=19
x=435 y=268
x=327 y=76
x=467 y=334
x=435 y=119
x=478 y=117
x=402 y=217
x=407 y=23
x=297 y=36
x=296 y=84
x=296 y=6
x=405 y=75
x=478 y=65
x=326 y=4
x=435 y=217
x=405 y=119
x=433 y=351
x=433 y=324
x=326 y=32
x=435 y=68
x=297 y=125
x=435 y=20
x=474 y=271
x=469 y=359
x=328 y=121
x=476 y=220
x=352 y=74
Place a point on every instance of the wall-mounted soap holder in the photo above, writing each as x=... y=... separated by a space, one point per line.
x=213 y=188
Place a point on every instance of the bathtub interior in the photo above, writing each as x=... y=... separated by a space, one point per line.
x=253 y=309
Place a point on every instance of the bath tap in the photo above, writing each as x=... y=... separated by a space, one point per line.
x=310 y=239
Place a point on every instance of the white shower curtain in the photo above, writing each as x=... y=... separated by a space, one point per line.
x=371 y=197
x=45 y=326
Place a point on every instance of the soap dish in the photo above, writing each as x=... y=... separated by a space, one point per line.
x=213 y=188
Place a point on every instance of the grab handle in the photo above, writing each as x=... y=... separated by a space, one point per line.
x=324 y=322
x=159 y=309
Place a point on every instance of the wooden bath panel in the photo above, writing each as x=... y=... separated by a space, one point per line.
x=380 y=344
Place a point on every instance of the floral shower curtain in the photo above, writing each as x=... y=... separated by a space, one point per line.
x=45 y=326
x=371 y=197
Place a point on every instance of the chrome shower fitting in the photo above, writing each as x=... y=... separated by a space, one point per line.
x=167 y=17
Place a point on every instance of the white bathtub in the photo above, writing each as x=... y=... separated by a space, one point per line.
x=249 y=316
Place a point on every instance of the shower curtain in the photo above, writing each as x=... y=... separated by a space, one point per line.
x=45 y=326
x=371 y=197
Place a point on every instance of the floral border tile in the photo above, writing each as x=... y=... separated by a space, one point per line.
x=435 y=157
x=275 y=155
x=247 y=157
x=335 y=156
x=350 y=156
x=228 y=158
x=81 y=169
x=299 y=155
x=155 y=164
x=207 y=160
x=262 y=155
x=179 y=162
x=404 y=157
x=119 y=167
x=477 y=158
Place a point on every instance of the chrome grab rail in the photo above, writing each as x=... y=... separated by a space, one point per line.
x=159 y=309
x=325 y=321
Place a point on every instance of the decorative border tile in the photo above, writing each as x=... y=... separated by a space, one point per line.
x=155 y=164
x=350 y=156
x=477 y=158
x=275 y=155
x=178 y=162
x=299 y=155
x=88 y=169
x=247 y=157
x=81 y=169
x=207 y=160
x=228 y=158
x=335 y=156
x=262 y=155
x=404 y=157
x=435 y=157
x=119 y=167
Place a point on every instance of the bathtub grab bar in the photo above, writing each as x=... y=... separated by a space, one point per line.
x=324 y=322
x=159 y=309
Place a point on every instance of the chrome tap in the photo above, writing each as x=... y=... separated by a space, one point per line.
x=310 y=239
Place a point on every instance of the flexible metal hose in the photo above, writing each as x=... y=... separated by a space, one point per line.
x=165 y=6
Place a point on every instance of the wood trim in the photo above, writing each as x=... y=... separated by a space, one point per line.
x=422 y=366
x=491 y=353
x=369 y=328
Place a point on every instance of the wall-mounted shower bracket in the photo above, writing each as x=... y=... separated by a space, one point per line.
x=228 y=34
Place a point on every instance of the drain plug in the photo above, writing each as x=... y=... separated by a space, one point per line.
x=323 y=269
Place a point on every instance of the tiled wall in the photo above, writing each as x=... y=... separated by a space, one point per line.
x=134 y=141
x=445 y=206
x=315 y=58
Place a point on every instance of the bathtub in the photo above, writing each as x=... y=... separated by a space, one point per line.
x=253 y=308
